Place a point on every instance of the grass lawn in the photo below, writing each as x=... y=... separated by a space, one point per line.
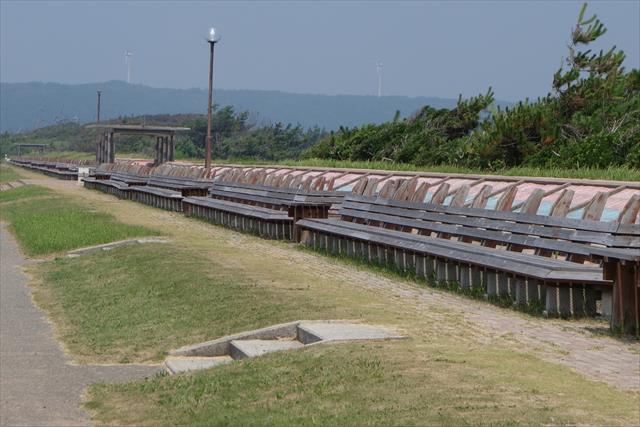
x=402 y=383
x=8 y=173
x=53 y=224
x=24 y=192
x=148 y=299
x=134 y=304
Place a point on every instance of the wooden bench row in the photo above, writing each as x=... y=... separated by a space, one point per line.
x=266 y=211
x=563 y=262
x=54 y=169
x=271 y=212
x=560 y=263
x=122 y=187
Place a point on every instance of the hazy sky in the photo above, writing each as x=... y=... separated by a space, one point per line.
x=428 y=48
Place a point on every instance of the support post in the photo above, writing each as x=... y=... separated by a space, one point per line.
x=156 y=160
x=112 y=148
x=625 y=315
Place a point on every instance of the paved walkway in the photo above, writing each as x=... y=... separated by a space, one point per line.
x=38 y=386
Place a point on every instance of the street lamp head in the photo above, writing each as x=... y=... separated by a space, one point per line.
x=213 y=36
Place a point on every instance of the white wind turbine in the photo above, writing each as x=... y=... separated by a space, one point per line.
x=127 y=60
x=379 y=68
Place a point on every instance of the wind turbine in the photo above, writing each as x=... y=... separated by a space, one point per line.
x=127 y=60
x=379 y=68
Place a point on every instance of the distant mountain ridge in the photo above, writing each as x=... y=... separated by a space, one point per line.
x=26 y=106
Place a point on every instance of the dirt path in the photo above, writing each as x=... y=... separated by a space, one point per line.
x=37 y=384
x=584 y=345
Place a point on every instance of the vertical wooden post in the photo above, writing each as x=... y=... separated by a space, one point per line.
x=560 y=209
x=460 y=197
x=440 y=194
x=112 y=148
x=156 y=160
x=172 y=149
x=626 y=301
x=506 y=200
x=481 y=199
x=631 y=210
x=530 y=206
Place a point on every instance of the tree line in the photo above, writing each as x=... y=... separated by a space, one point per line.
x=590 y=119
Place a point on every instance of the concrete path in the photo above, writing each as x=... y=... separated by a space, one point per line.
x=38 y=386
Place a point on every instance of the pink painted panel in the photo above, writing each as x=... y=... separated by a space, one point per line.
x=456 y=183
x=619 y=200
x=584 y=193
x=525 y=190
x=347 y=178
x=496 y=185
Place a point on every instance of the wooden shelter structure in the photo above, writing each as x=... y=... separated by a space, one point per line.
x=164 y=135
x=40 y=147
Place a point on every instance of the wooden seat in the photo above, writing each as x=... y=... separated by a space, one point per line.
x=128 y=178
x=157 y=197
x=117 y=188
x=268 y=211
x=499 y=250
x=55 y=169
x=255 y=219
x=187 y=186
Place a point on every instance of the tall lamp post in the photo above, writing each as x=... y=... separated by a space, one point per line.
x=212 y=39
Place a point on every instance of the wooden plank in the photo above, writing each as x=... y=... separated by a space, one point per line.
x=481 y=199
x=420 y=193
x=420 y=224
x=351 y=181
x=532 y=204
x=491 y=219
x=560 y=207
x=460 y=196
x=409 y=189
x=594 y=209
x=523 y=264
x=631 y=210
x=505 y=202
x=370 y=187
x=546 y=194
x=440 y=194
x=388 y=188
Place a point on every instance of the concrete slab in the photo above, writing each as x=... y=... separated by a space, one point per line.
x=338 y=331
x=220 y=346
x=113 y=245
x=176 y=365
x=242 y=349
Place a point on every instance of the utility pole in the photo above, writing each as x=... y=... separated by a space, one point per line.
x=379 y=68
x=98 y=114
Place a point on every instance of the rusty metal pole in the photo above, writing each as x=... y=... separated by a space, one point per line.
x=207 y=159
x=99 y=139
x=98 y=114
